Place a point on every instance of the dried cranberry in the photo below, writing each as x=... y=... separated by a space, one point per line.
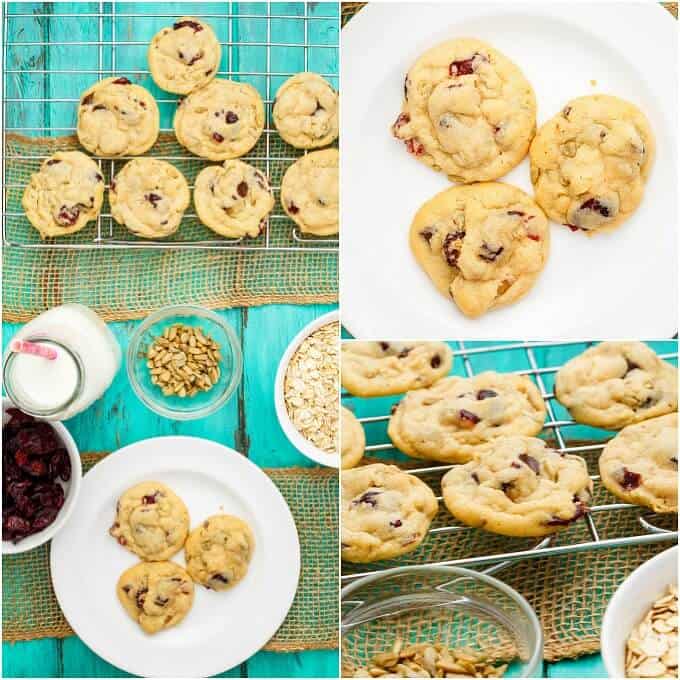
x=122 y=81
x=292 y=208
x=38 y=439
x=489 y=253
x=475 y=476
x=53 y=161
x=217 y=137
x=150 y=499
x=559 y=521
x=242 y=189
x=428 y=233
x=406 y=87
x=219 y=577
x=99 y=107
x=384 y=346
x=231 y=117
x=368 y=498
x=14 y=528
x=44 y=518
x=649 y=401
x=154 y=199
x=465 y=67
x=195 y=58
x=534 y=237
x=436 y=361
x=113 y=185
x=188 y=24
x=161 y=601
x=516 y=213
x=486 y=394
x=566 y=111
x=414 y=146
x=68 y=216
x=140 y=596
x=467 y=418
x=393 y=408
x=402 y=119
x=531 y=462
x=98 y=177
x=629 y=479
x=451 y=253
x=396 y=523
x=404 y=353
x=630 y=366
x=87 y=99
x=596 y=206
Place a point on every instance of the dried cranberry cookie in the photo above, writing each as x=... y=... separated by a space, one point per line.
x=517 y=486
x=483 y=245
x=64 y=195
x=353 y=439
x=468 y=111
x=640 y=464
x=385 y=512
x=450 y=420
x=376 y=369
x=589 y=163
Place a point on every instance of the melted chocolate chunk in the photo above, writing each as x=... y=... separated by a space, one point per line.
x=489 y=253
x=531 y=462
x=384 y=346
x=53 y=161
x=369 y=498
x=154 y=199
x=475 y=477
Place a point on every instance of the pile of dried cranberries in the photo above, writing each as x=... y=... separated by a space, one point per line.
x=33 y=459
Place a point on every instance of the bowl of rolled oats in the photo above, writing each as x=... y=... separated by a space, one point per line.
x=640 y=627
x=307 y=390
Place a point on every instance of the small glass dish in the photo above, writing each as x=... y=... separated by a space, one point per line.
x=203 y=403
x=459 y=608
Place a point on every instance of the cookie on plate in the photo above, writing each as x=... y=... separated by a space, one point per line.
x=468 y=111
x=151 y=521
x=233 y=199
x=184 y=57
x=309 y=192
x=64 y=195
x=222 y=120
x=640 y=464
x=218 y=552
x=517 y=486
x=117 y=118
x=306 y=111
x=149 y=197
x=450 y=420
x=353 y=440
x=615 y=384
x=157 y=595
x=483 y=245
x=377 y=369
x=589 y=163
x=385 y=512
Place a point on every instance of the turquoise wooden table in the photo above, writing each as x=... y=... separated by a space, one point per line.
x=247 y=423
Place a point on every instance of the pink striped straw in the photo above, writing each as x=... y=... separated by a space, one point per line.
x=26 y=347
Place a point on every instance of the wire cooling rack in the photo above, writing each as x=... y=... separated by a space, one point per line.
x=54 y=51
x=536 y=355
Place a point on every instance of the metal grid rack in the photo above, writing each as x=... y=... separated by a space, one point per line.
x=553 y=427
x=109 y=22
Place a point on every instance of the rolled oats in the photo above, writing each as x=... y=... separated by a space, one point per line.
x=311 y=388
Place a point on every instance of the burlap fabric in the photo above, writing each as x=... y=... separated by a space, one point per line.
x=129 y=283
x=30 y=609
x=569 y=593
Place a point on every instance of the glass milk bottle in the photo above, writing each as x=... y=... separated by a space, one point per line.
x=61 y=362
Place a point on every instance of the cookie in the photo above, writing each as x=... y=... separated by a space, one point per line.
x=149 y=197
x=589 y=163
x=377 y=369
x=517 y=486
x=306 y=111
x=218 y=551
x=222 y=120
x=185 y=56
x=117 y=118
x=353 y=439
x=64 y=195
x=233 y=199
x=468 y=111
x=151 y=521
x=483 y=245
x=385 y=512
x=450 y=420
x=156 y=595
x=309 y=192
x=640 y=464
x=615 y=384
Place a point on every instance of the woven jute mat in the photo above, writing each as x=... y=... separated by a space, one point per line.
x=30 y=610
x=122 y=284
x=569 y=593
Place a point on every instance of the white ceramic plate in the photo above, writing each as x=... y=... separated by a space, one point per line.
x=222 y=629
x=622 y=284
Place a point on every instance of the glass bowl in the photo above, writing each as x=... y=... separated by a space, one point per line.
x=456 y=607
x=203 y=403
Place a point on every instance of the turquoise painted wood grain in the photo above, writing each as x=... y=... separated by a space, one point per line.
x=248 y=423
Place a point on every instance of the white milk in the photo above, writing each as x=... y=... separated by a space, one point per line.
x=88 y=358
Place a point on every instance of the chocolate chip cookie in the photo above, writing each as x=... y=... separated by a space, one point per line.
x=385 y=512
x=156 y=595
x=64 y=195
x=306 y=111
x=468 y=111
x=450 y=420
x=218 y=552
x=353 y=439
x=185 y=56
x=117 y=118
x=517 y=486
x=309 y=192
x=149 y=197
x=640 y=464
x=222 y=120
x=483 y=245
x=376 y=369
x=233 y=199
x=589 y=163
x=151 y=521
x=615 y=384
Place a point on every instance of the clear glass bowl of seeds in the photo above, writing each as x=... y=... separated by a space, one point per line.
x=184 y=362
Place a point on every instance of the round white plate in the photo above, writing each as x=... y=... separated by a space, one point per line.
x=622 y=284
x=222 y=629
